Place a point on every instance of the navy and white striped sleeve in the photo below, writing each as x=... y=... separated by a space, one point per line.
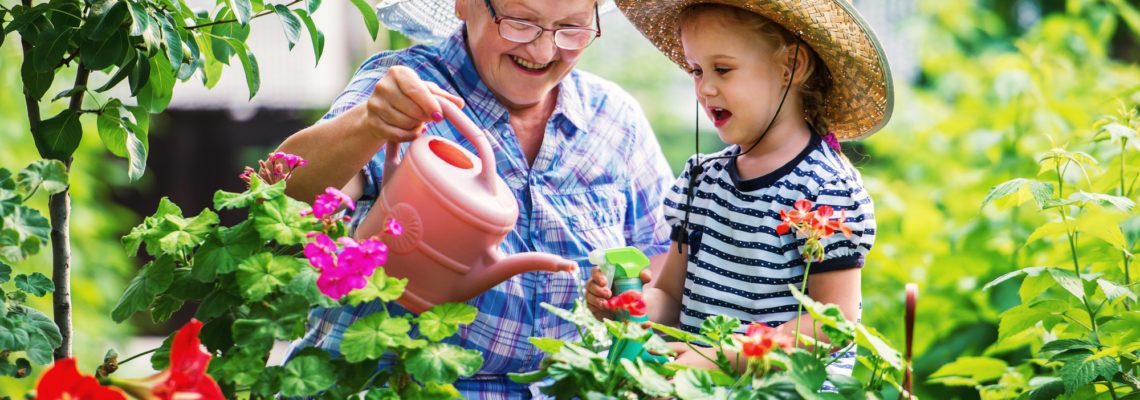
x=848 y=196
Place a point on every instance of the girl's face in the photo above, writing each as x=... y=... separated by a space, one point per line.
x=523 y=74
x=738 y=81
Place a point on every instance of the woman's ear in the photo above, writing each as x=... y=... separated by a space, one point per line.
x=460 y=7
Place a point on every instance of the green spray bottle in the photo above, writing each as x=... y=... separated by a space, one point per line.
x=622 y=268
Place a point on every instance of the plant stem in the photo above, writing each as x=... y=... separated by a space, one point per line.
x=138 y=355
x=1072 y=236
x=800 y=308
x=1124 y=253
x=1111 y=388
x=226 y=21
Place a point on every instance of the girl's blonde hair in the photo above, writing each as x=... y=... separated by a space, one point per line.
x=818 y=78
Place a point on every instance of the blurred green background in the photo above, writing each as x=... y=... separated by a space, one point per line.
x=993 y=83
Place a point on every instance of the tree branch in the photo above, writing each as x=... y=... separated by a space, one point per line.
x=226 y=21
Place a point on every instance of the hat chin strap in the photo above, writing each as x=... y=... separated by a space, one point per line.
x=698 y=168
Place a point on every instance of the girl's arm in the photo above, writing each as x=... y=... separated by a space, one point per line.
x=663 y=294
x=840 y=287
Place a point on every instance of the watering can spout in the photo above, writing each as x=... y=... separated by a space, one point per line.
x=509 y=266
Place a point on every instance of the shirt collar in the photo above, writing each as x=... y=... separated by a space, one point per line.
x=461 y=67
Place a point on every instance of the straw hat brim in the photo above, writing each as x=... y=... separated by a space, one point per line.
x=861 y=96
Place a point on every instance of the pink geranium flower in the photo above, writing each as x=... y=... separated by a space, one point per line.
x=327 y=204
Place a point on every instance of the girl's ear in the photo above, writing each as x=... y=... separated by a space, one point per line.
x=799 y=57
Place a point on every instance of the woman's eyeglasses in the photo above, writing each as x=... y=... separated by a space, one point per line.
x=567 y=38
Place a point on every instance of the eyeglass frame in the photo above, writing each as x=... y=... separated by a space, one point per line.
x=554 y=35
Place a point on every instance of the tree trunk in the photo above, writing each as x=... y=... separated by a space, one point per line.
x=59 y=206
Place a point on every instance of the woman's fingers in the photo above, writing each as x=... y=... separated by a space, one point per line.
x=436 y=90
x=424 y=105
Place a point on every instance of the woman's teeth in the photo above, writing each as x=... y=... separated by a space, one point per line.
x=529 y=65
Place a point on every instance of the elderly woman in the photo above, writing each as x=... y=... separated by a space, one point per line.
x=576 y=150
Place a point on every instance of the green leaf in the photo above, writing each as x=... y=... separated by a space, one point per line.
x=107 y=23
x=380 y=287
x=242 y=367
x=1025 y=316
x=217 y=303
x=242 y=10
x=870 y=339
x=1048 y=390
x=1084 y=198
x=279 y=219
x=1011 y=275
x=978 y=370
x=179 y=236
x=98 y=54
x=140 y=21
x=221 y=253
x=43 y=335
x=260 y=275
x=1022 y=190
x=154 y=278
x=807 y=372
x=51 y=174
x=156 y=95
x=304 y=285
x=1049 y=230
x=720 y=328
x=5 y=275
x=648 y=380
x=547 y=345
x=254 y=335
x=50 y=51
x=1112 y=291
x=443 y=320
x=1069 y=280
x=697 y=384
x=528 y=377
x=289 y=22
x=36 y=284
x=316 y=37
x=312 y=6
x=1067 y=344
x=70 y=92
x=676 y=333
x=139 y=77
x=28 y=228
x=370 y=19
x=124 y=69
x=170 y=32
x=369 y=337
x=36 y=83
x=258 y=191
x=163 y=307
x=443 y=363
x=1077 y=374
x=249 y=65
x=58 y=137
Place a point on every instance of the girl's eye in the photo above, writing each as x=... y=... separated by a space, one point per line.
x=696 y=72
x=721 y=70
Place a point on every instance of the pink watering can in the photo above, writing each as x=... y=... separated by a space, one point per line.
x=455 y=210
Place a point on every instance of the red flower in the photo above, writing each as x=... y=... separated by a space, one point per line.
x=185 y=378
x=62 y=381
x=759 y=339
x=629 y=301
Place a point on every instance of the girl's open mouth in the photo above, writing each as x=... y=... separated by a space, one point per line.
x=720 y=116
x=530 y=67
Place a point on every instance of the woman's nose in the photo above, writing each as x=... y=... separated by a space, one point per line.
x=543 y=48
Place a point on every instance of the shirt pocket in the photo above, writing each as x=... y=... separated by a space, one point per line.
x=577 y=223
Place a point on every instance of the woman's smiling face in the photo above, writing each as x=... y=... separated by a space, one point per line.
x=523 y=74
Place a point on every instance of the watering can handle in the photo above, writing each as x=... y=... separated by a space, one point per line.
x=476 y=136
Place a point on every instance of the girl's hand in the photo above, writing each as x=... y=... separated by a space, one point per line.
x=597 y=292
x=401 y=103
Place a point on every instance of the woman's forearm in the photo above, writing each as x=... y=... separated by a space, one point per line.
x=336 y=150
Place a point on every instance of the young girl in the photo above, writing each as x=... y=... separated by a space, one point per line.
x=782 y=81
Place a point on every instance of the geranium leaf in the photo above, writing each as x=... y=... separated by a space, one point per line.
x=51 y=174
x=380 y=287
x=261 y=274
x=443 y=320
x=254 y=335
x=304 y=285
x=369 y=337
x=258 y=191
x=35 y=284
x=154 y=278
x=650 y=382
x=279 y=219
x=547 y=345
x=5 y=273
x=697 y=384
x=443 y=363
x=872 y=340
x=43 y=335
x=807 y=372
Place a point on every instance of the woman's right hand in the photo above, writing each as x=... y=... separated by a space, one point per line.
x=401 y=103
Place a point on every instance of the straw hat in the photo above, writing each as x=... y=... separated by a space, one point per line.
x=432 y=21
x=861 y=96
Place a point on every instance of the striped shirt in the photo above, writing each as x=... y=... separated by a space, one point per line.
x=598 y=182
x=738 y=265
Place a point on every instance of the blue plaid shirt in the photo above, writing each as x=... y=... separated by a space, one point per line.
x=598 y=182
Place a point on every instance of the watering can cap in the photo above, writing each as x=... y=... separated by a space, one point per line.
x=628 y=260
